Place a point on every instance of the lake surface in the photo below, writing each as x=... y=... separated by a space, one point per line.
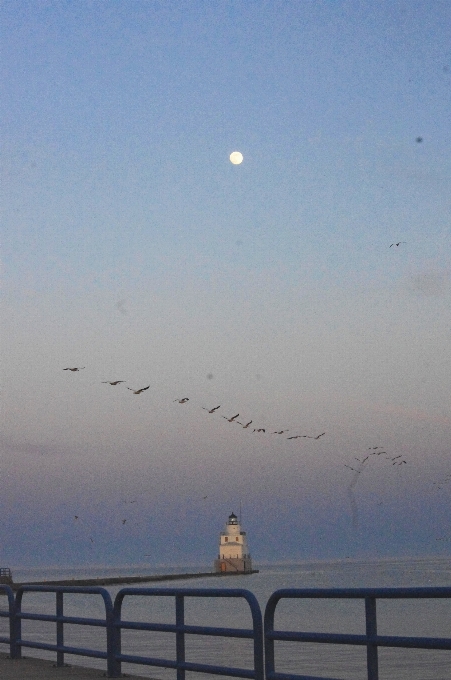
x=396 y=617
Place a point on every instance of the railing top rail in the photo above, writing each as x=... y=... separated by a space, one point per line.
x=86 y=590
x=382 y=593
x=191 y=592
x=10 y=595
x=194 y=592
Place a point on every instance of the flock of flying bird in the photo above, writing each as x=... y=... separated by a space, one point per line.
x=358 y=468
x=184 y=400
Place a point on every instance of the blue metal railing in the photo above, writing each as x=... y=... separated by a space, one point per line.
x=11 y=615
x=59 y=647
x=113 y=625
x=371 y=639
x=180 y=629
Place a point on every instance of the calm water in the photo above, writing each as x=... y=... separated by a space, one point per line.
x=420 y=618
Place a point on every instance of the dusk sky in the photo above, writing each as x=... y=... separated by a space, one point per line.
x=134 y=248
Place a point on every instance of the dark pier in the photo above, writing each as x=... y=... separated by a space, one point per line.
x=125 y=580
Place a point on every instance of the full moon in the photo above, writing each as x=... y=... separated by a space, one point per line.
x=236 y=157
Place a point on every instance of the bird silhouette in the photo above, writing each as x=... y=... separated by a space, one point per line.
x=280 y=432
x=123 y=521
x=397 y=244
x=211 y=410
x=114 y=382
x=243 y=425
x=362 y=461
x=306 y=436
x=230 y=420
x=74 y=369
x=182 y=401
x=260 y=429
x=138 y=391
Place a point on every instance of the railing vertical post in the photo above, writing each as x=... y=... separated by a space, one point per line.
x=113 y=637
x=180 y=634
x=371 y=633
x=18 y=624
x=12 y=619
x=59 y=628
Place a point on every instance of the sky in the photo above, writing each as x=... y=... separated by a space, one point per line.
x=134 y=249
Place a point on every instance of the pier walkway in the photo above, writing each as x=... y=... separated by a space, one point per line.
x=38 y=669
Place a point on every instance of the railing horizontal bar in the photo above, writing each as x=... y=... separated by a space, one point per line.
x=67 y=650
x=192 y=630
x=146 y=660
x=383 y=593
x=200 y=668
x=219 y=670
x=289 y=676
x=64 y=619
x=225 y=632
x=349 y=639
x=5 y=640
x=411 y=642
x=188 y=592
x=332 y=638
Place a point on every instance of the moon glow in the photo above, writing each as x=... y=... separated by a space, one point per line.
x=236 y=157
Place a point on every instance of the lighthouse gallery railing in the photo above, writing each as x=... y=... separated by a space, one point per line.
x=114 y=624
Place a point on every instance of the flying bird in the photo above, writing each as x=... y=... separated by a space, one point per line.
x=230 y=420
x=244 y=426
x=74 y=369
x=138 y=391
x=114 y=382
x=397 y=244
x=211 y=410
x=351 y=468
x=182 y=401
x=306 y=436
x=261 y=429
x=362 y=461
x=123 y=521
x=280 y=432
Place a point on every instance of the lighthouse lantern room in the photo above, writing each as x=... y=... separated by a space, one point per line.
x=234 y=553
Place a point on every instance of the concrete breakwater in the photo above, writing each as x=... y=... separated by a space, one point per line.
x=128 y=580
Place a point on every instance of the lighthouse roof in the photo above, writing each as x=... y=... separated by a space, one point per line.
x=233 y=519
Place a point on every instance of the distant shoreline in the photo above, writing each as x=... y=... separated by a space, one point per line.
x=119 y=580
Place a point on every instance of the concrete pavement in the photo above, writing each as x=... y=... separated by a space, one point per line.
x=38 y=669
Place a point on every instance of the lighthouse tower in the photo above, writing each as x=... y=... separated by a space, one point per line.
x=233 y=550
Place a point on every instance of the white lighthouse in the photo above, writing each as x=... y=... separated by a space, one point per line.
x=234 y=553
